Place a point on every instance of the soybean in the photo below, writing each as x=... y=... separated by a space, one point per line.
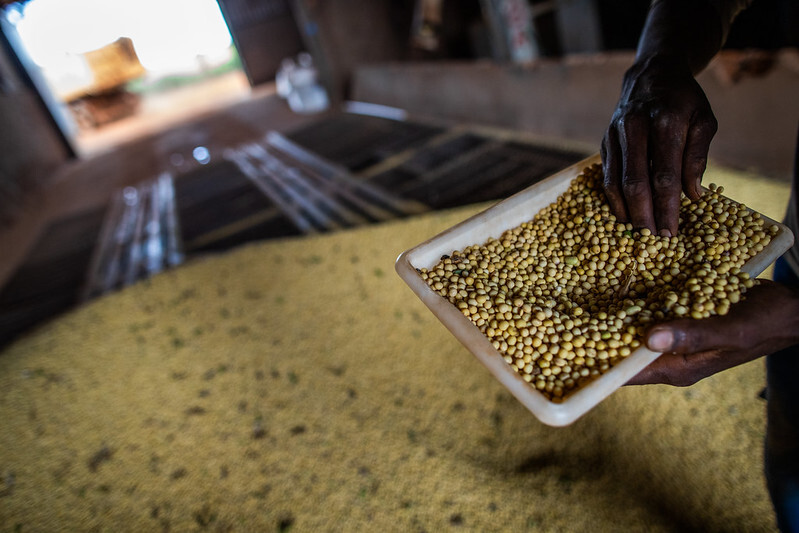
x=575 y=284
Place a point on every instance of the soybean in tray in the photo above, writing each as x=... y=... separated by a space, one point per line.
x=553 y=294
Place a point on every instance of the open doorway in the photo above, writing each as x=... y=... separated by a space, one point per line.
x=118 y=70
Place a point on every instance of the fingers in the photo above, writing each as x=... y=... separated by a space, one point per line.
x=647 y=195
x=634 y=132
x=755 y=323
x=668 y=139
x=690 y=336
x=611 y=168
x=656 y=148
x=763 y=323
x=694 y=162
x=682 y=370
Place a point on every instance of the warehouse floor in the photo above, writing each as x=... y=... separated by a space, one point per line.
x=295 y=383
x=298 y=384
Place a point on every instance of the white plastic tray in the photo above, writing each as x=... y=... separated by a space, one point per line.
x=493 y=222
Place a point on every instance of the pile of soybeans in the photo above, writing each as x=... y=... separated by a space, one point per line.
x=570 y=293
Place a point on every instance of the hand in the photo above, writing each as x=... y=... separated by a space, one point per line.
x=656 y=144
x=763 y=323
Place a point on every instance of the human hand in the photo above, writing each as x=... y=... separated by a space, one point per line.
x=765 y=322
x=656 y=144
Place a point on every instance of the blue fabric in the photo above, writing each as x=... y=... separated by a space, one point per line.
x=782 y=435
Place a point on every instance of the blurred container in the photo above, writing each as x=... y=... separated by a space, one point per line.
x=298 y=82
x=111 y=67
x=102 y=97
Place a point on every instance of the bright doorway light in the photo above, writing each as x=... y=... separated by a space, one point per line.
x=169 y=36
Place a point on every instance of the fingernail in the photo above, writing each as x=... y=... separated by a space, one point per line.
x=664 y=233
x=660 y=341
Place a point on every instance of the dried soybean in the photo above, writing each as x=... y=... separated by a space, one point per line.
x=570 y=293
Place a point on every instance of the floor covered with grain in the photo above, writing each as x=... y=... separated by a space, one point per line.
x=298 y=384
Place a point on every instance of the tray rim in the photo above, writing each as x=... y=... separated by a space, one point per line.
x=508 y=211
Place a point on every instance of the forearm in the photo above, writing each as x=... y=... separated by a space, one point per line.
x=687 y=32
x=789 y=333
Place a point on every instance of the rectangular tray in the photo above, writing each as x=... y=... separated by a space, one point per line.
x=491 y=223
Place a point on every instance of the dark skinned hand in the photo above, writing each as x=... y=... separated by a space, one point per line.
x=656 y=148
x=656 y=144
x=765 y=322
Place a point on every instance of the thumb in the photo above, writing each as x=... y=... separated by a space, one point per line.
x=688 y=336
